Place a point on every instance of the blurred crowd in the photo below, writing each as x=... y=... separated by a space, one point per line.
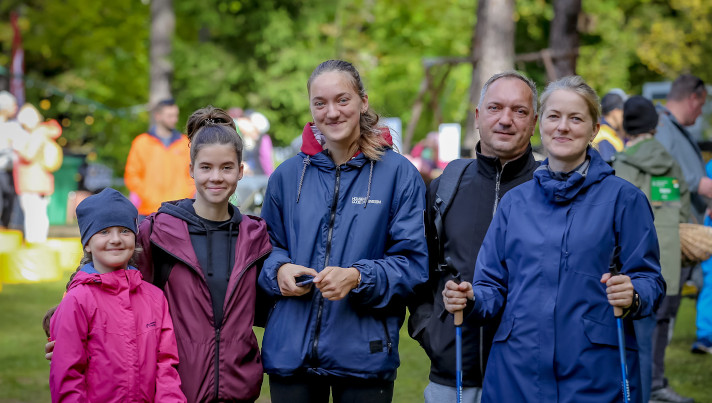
x=29 y=154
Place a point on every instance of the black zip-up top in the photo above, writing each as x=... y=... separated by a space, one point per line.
x=464 y=227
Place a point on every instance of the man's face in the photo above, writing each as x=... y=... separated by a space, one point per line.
x=615 y=118
x=695 y=103
x=506 y=119
x=167 y=117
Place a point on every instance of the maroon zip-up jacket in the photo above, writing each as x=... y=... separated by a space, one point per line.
x=216 y=362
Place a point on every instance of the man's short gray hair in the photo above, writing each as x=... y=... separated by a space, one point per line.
x=517 y=75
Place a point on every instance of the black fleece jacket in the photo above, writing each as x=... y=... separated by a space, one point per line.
x=465 y=225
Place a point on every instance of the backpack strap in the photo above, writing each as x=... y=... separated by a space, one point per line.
x=447 y=188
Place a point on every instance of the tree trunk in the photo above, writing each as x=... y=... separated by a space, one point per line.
x=493 y=49
x=163 y=23
x=564 y=37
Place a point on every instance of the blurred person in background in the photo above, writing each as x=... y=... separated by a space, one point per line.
x=646 y=164
x=10 y=131
x=425 y=157
x=609 y=139
x=684 y=105
x=258 y=144
x=703 y=342
x=39 y=156
x=157 y=164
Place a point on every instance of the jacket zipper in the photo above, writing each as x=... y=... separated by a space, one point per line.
x=389 y=344
x=217 y=329
x=482 y=352
x=219 y=326
x=498 y=177
x=217 y=362
x=327 y=254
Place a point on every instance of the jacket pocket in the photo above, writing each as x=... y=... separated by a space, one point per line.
x=604 y=334
x=504 y=330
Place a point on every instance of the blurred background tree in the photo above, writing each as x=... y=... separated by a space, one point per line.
x=87 y=63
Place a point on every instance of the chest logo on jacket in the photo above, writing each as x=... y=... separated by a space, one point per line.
x=362 y=200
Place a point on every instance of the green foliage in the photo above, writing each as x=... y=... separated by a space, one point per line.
x=91 y=58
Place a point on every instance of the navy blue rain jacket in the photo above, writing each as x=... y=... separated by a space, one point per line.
x=375 y=225
x=541 y=263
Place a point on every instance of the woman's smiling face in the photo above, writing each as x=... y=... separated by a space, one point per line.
x=566 y=128
x=336 y=107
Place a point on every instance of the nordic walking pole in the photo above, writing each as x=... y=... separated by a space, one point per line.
x=458 y=336
x=458 y=355
x=618 y=312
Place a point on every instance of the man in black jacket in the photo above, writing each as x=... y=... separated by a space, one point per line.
x=506 y=117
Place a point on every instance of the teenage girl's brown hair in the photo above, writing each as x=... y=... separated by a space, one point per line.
x=212 y=125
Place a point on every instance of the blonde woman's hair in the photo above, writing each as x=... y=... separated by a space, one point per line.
x=578 y=85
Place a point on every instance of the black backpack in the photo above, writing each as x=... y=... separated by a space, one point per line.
x=447 y=188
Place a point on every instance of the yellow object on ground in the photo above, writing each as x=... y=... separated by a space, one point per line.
x=30 y=264
x=69 y=252
x=10 y=240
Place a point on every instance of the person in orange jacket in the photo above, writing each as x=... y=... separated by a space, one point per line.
x=157 y=168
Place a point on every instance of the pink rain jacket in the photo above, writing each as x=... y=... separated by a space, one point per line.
x=114 y=342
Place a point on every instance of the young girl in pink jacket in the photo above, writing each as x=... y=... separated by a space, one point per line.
x=113 y=334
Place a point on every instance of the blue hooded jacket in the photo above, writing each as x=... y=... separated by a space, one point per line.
x=541 y=264
x=375 y=225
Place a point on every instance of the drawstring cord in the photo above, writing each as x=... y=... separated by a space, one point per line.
x=307 y=161
x=368 y=192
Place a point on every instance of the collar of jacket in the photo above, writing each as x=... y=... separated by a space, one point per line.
x=311 y=147
x=175 y=135
x=647 y=156
x=112 y=282
x=171 y=234
x=490 y=166
x=562 y=192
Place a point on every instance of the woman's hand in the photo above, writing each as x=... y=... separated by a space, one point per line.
x=336 y=282
x=287 y=282
x=49 y=349
x=455 y=295
x=619 y=289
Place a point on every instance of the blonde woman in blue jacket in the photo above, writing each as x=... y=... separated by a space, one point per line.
x=545 y=265
x=347 y=211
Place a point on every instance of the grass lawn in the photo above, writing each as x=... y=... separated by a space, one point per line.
x=24 y=371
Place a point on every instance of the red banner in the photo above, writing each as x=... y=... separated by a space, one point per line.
x=17 y=66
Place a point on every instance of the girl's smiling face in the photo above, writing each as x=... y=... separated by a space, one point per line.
x=111 y=248
x=216 y=172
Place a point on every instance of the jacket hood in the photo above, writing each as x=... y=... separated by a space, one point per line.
x=314 y=155
x=112 y=282
x=311 y=146
x=648 y=156
x=183 y=209
x=560 y=191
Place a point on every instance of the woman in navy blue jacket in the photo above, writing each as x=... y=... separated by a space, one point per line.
x=545 y=266
x=347 y=210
